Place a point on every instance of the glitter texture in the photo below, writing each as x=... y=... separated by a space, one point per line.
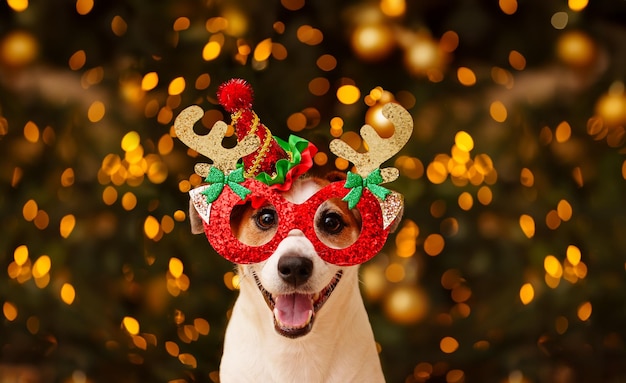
x=236 y=96
x=259 y=152
x=210 y=145
x=380 y=149
x=291 y=216
x=200 y=203
x=391 y=207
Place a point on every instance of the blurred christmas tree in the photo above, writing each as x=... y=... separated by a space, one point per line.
x=508 y=267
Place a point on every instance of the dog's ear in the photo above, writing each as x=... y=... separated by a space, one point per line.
x=197 y=226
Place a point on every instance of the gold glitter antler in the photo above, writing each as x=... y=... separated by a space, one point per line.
x=210 y=145
x=379 y=149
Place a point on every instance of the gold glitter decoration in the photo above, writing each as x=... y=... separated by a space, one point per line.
x=380 y=149
x=211 y=144
x=261 y=155
x=392 y=208
x=200 y=202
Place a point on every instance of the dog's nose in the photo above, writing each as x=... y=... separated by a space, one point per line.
x=294 y=269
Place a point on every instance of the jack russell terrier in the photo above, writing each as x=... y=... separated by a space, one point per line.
x=297 y=244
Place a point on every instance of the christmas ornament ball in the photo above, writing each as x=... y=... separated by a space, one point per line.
x=374 y=117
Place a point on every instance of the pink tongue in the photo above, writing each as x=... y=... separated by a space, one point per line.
x=293 y=309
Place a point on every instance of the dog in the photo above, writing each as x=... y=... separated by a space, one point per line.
x=298 y=318
x=297 y=241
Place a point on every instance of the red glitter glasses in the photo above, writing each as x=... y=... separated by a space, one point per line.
x=218 y=222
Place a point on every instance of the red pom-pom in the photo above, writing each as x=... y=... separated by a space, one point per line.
x=235 y=94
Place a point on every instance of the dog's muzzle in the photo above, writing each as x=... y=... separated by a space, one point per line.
x=294 y=313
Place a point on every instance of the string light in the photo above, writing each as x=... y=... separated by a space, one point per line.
x=584 y=311
x=448 y=344
x=18 y=5
x=131 y=325
x=348 y=94
x=498 y=111
x=18 y=48
x=119 y=26
x=509 y=7
x=68 y=293
x=527 y=293
x=466 y=76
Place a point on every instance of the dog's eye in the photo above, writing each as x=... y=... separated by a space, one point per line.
x=265 y=219
x=332 y=223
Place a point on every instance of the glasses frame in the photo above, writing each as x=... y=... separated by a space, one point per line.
x=217 y=225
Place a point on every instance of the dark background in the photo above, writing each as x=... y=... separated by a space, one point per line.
x=496 y=304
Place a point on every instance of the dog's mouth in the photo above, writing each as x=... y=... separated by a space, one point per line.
x=294 y=313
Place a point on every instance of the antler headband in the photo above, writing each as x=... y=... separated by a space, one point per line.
x=378 y=206
x=210 y=145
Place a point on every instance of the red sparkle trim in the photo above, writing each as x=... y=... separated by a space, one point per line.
x=295 y=216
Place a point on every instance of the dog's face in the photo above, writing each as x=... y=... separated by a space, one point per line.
x=294 y=280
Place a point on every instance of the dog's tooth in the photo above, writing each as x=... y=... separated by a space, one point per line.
x=310 y=318
x=280 y=323
x=316 y=296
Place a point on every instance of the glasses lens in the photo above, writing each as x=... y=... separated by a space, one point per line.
x=253 y=226
x=335 y=225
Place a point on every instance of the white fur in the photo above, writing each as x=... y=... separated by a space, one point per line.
x=340 y=347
